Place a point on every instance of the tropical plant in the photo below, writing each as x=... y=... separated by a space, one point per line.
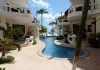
x=7 y=60
x=53 y=23
x=94 y=40
x=7 y=41
x=41 y=11
x=2 y=69
x=59 y=37
x=34 y=42
x=43 y=30
x=42 y=36
x=52 y=30
x=80 y=33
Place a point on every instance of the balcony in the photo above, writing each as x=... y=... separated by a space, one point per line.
x=75 y=13
x=19 y=13
x=76 y=2
x=63 y=22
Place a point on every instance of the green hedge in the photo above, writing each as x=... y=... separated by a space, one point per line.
x=34 y=42
x=42 y=36
x=59 y=37
x=2 y=69
x=94 y=40
x=9 y=59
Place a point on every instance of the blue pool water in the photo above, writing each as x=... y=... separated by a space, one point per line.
x=53 y=50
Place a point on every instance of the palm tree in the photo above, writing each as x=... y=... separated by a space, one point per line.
x=44 y=29
x=80 y=33
x=41 y=11
x=7 y=41
x=53 y=23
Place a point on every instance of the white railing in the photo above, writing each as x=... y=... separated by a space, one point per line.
x=17 y=9
x=62 y=20
x=73 y=9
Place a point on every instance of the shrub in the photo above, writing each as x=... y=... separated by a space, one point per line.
x=93 y=41
x=59 y=37
x=9 y=59
x=98 y=35
x=66 y=41
x=34 y=42
x=13 y=48
x=2 y=69
x=42 y=36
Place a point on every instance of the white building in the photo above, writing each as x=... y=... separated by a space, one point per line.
x=74 y=13
x=14 y=13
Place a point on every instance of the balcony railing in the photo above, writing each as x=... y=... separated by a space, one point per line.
x=17 y=9
x=63 y=20
x=79 y=8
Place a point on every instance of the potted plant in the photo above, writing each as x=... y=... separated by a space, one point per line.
x=93 y=41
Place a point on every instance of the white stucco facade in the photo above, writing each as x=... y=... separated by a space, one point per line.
x=15 y=13
x=74 y=17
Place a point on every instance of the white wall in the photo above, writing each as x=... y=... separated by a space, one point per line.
x=77 y=2
x=3 y=25
x=98 y=23
x=98 y=4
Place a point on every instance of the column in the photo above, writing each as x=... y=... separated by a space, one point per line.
x=71 y=28
x=26 y=30
x=62 y=30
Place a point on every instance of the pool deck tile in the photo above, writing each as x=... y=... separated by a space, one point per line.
x=28 y=59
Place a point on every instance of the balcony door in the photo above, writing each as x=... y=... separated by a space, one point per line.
x=75 y=28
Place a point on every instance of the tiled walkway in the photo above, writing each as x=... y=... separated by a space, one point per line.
x=28 y=59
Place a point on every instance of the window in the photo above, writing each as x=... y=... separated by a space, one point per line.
x=79 y=8
x=21 y=10
x=65 y=20
x=71 y=10
x=14 y=10
x=59 y=20
x=89 y=7
x=28 y=11
x=89 y=28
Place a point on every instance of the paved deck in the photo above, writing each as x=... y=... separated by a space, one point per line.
x=28 y=59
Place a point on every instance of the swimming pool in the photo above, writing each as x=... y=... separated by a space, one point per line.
x=54 y=50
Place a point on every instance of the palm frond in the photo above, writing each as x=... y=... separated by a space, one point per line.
x=16 y=45
x=41 y=11
x=14 y=31
x=52 y=23
x=10 y=42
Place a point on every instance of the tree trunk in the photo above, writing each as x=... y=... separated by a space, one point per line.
x=3 y=52
x=41 y=19
x=80 y=33
x=52 y=29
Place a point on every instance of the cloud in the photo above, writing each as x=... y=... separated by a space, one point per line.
x=49 y=17
x=41 y=3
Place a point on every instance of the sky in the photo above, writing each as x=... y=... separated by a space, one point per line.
x=54 y=8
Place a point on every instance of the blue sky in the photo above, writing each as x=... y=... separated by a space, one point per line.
x=54 y=8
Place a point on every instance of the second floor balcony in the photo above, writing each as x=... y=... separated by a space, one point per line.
x=75 y=12
x=19 y=13
x=63 y=22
